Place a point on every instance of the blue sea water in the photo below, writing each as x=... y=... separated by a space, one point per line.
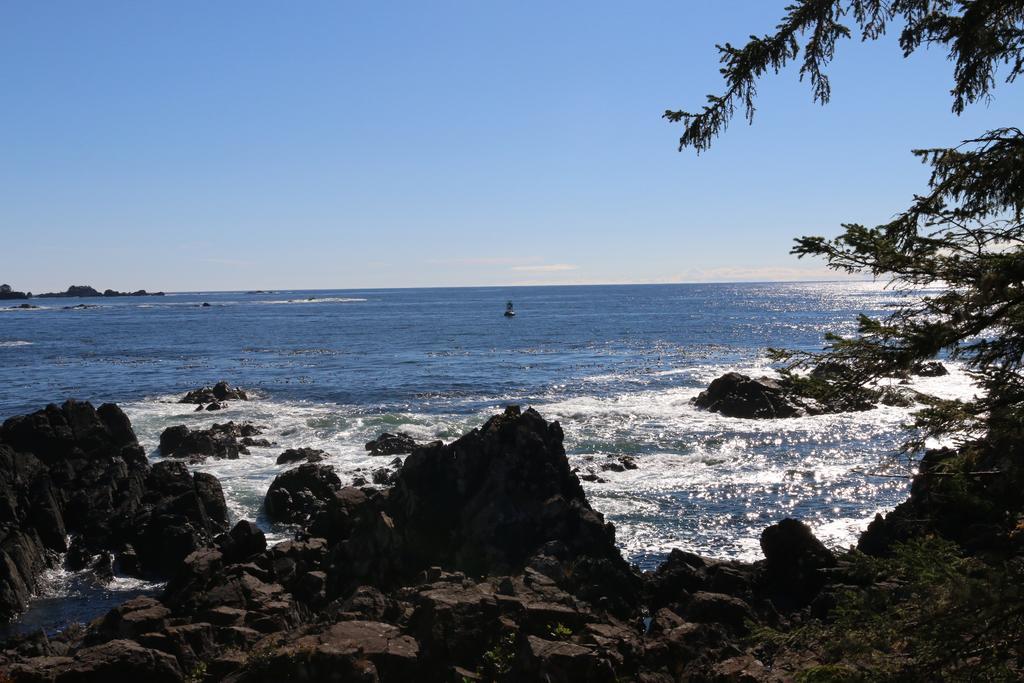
x=616 y=365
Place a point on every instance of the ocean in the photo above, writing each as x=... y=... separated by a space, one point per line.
x=615 y=365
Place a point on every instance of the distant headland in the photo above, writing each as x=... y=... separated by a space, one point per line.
x=77 y=291
x=7 y=293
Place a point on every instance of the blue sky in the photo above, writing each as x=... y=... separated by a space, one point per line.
x=230 y=145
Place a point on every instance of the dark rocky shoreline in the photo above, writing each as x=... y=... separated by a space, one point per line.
x=85 y=291
x=482 y=560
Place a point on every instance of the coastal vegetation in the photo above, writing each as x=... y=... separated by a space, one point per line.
x=944 y=602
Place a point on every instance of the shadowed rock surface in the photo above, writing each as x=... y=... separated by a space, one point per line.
x=74 y=479
x=221 y=391
x=222 y=441
x=736 y=395
x=392 y=444
x=484 y=561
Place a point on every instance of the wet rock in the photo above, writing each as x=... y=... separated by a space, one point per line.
x=221 y=391
x=64 y=471
x=392 y=444
x=220 y=441
x=299 y=494
x=932 y=368
x=736 y=395
x=626 y=462
x=293 y=455
x=180 y=513
x=484 y=503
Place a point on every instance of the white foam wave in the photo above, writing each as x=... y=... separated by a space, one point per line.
x=317 y=300
x=704 y=482
x=14 y=344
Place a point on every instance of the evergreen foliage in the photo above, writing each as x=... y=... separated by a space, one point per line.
x=960 y=243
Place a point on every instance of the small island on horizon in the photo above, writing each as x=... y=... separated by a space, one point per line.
x=74 y=291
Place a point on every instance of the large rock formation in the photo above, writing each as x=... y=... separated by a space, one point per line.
x=221 y=391
x=392 y=444
x=87 y=291
x=484 y=561
x=736 y=395
x=221 y=441
x=74 y=479
x=7 y=293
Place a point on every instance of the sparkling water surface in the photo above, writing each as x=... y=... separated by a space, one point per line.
x=616 y=365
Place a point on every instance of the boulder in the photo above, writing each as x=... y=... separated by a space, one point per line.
x=293 y=455
x=243 y=541
x=78 y=472
x=392 y=444
x=736 y=395
x=793 y=560
x=221 y=441
x=931 y=368
x=221 y=391
x=484 y=503
x=299 y=494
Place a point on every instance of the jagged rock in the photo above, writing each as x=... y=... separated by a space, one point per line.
x=221 y=391
x=793 y=558
x=382 y=476
x=79 y=472
x=243 y=541
x=736 y=395
x=392 y=444
x=221 y=441
x=717 y=608
x=931 y=368
x=181 y=511
x=484 y=503
x=299 y=494
x=563 y=662
x=293 y=455
x=87 y=291
x=626 y=462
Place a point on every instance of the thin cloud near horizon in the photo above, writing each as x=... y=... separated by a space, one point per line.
x=545 y=268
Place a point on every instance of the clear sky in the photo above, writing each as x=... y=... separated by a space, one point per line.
x=193 y=145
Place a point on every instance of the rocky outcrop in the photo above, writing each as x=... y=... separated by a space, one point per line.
x=931 y=368
x=831 y=387
x=87 y=291
x=75 y=472
x=7 y=293
x=221 y=391
x=300 y=494
x=971 y=495
x=484 y=503
x=392 y=444
x=484 y=561
x=794 y=560
x=736 y=395
x=221 y=441
x=293 y=455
